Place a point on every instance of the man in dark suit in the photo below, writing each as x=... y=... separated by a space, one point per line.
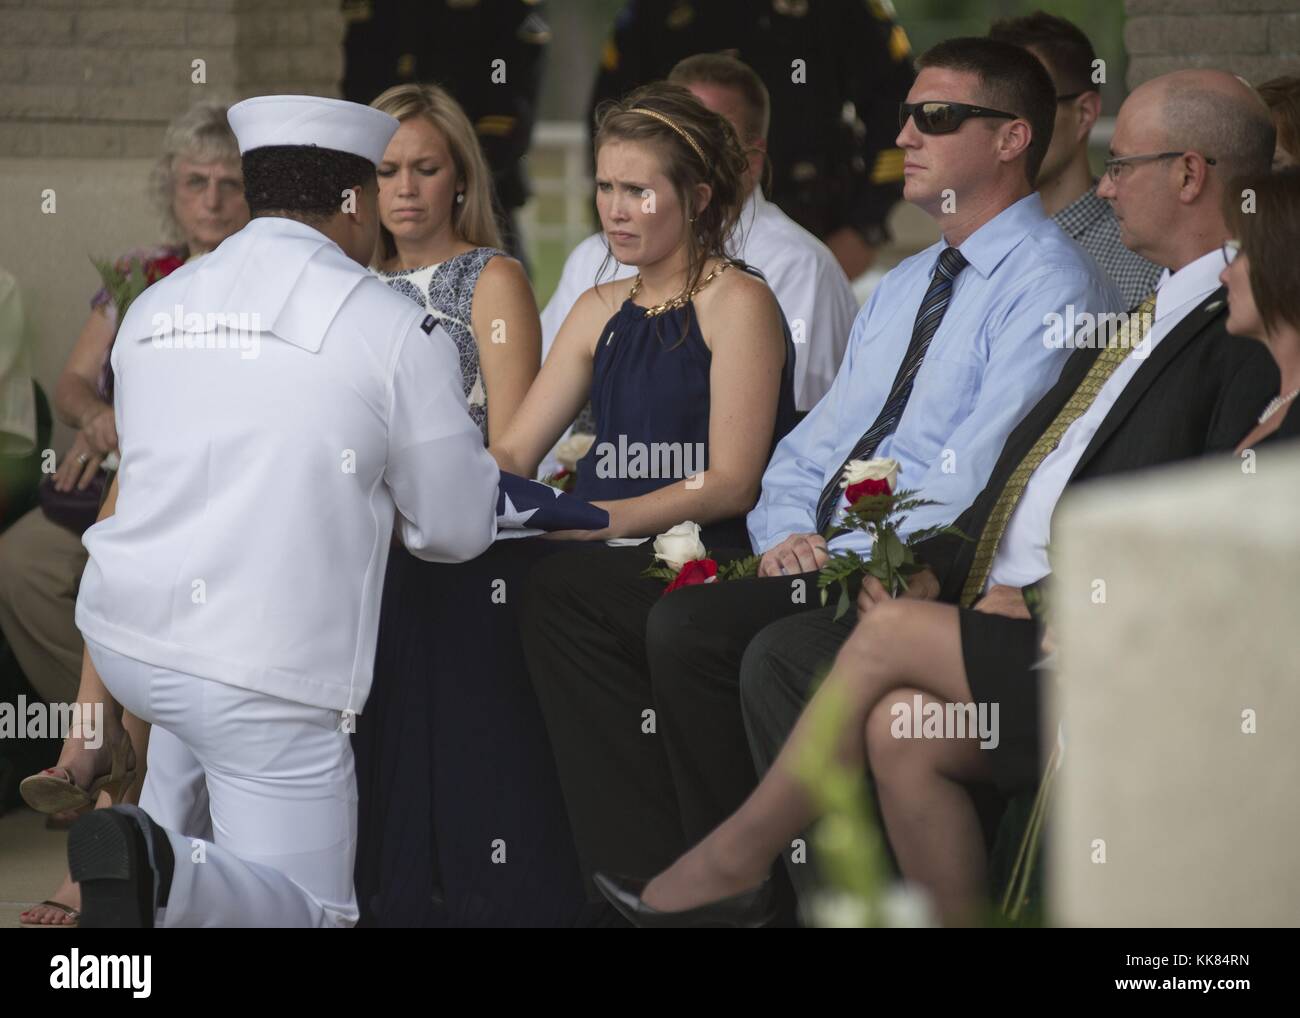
x=1171 y=385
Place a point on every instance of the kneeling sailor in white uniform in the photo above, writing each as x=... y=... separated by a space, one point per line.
x=278 y=409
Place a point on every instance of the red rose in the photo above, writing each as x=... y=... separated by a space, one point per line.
x=853 y=492
x=700 y=570
x=156 y=268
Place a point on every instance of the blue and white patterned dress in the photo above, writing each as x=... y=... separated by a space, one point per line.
x=446 y=291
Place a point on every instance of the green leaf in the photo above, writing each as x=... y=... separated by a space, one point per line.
x=850 y=848
x=739 y=569
x=122 y=286
x=843 y=606
x=894 y=553
x=659 y=572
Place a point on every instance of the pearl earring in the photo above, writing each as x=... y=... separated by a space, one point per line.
x=460 y=197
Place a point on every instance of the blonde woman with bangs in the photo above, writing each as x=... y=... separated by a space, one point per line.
x=440 y=246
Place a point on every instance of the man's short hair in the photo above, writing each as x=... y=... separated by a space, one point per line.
x=1011 y=79
x=728 y=72
x=302 y=181
x=1233 y=130
x=1061 y=44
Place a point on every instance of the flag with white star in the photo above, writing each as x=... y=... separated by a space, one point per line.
x=526 y=508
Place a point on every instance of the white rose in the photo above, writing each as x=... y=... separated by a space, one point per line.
x=573 y=449
x=680 y=545
x=857 y=471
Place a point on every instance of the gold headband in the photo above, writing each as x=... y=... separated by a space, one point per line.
x=664 y=120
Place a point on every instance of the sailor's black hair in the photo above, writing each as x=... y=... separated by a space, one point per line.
x=302 y=180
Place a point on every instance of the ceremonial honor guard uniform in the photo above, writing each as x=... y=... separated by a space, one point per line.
x=836 y=71
x=279 y=409
x=489 y=54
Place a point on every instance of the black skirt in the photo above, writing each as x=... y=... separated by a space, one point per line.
x=460 y=817
x=999 y=653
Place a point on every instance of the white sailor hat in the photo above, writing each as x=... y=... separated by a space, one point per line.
x=312 y=120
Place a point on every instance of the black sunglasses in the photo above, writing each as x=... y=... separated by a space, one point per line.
x=942 y=116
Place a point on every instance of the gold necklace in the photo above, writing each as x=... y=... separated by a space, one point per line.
x=681 y=298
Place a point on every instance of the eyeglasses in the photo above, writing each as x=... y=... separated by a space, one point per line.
x=196 y=183
x=942 y=116
x=1114 y=166
x=1231 y=248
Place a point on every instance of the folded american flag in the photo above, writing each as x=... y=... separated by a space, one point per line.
x=526 y=508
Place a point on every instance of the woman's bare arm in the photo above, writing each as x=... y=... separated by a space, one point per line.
x=508 y=333
x=561 y=388
x=76 y=394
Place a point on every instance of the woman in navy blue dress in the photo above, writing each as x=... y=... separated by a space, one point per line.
x=689 y=368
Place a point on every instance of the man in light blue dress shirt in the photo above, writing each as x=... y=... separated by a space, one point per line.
x=950 y=352
x=986 y=366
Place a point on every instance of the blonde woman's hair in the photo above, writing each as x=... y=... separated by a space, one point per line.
x=473 y=220
x=202 y=134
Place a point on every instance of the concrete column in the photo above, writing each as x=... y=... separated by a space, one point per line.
x=1177 y=606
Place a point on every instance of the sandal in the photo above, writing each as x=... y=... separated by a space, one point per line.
x=67 y=910
x=54 y=790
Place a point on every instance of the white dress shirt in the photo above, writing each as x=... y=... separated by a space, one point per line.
x=262 y=471
x=808 y=283
x=1021 y=558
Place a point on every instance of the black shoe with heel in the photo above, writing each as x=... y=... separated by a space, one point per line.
x=747 y=910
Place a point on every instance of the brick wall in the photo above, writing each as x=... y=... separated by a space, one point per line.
x=101 y=78
x=86 y=89
x=1258 y=39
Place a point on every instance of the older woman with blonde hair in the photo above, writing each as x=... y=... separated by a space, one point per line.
x=197 y=186
x=440 y=246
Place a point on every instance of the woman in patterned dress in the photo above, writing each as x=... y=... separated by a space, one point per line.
x=440 y=247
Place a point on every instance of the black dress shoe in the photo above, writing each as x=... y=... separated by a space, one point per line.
x=749 y=909
x=124 y=864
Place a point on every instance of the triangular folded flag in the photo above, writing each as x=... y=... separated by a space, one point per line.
x=526 y=508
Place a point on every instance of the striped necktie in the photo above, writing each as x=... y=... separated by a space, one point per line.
x=928 y=317
x=1111 y=357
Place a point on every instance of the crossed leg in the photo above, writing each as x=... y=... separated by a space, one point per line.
x=900 y=648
